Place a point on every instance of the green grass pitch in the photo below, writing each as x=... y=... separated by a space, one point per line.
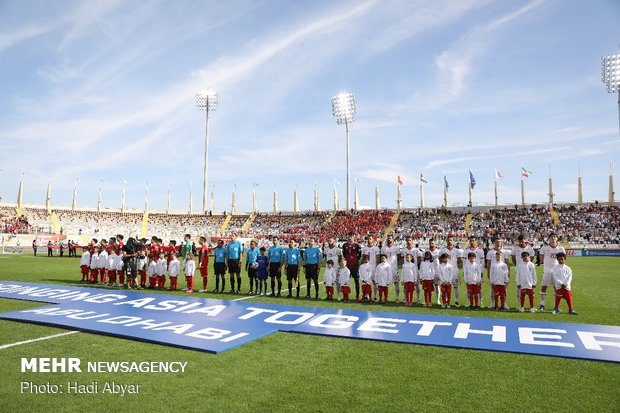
x=296 y=372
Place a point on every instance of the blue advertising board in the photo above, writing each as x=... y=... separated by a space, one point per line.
x=217 y=325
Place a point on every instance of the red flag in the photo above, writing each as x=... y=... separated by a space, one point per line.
x=400 y=181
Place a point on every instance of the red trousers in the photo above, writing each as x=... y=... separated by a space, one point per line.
x=102 y=274
x=190 y=282
x=383 y=293
x=446 y=293
x=330 y=291
x=94 y=273
x=142 y=278
x=565 y=294
x=153 y=281
x=473 y=291
x=173 y=283
x=499 y=291
x=112 y=276
x=530 y=293
x=367 y=291
x=409 y=289
x=205 y=278
x=346 y=290
x=84 y=269
x=428 y=286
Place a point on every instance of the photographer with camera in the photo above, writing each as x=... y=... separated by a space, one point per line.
x=131 y=255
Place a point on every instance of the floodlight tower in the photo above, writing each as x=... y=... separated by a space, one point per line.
x=610 y=75
x=208 y=102
x=344 y=109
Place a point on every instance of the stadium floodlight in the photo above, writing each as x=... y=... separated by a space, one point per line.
x=344 y=109
x=610 y=75
x=207 y=101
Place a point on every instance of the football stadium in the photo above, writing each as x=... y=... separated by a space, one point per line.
x=309 y=206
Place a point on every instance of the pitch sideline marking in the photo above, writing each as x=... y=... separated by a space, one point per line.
x=19 y=343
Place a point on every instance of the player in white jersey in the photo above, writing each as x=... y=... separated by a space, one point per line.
x=521 y=247
x=454 y=257
x=333 y=252
x=371 y=249
x=549 y=253
x=391 y=251
x=498 y=246
x=416 y=254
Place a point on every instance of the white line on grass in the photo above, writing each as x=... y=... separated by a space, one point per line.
x=19 y=343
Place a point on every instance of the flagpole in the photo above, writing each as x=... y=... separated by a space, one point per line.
x=99 y=195
x=495 y=189
x=579 y=188
x=611 y=200
x=445 y=192
x=399 y=201
x=522 y=193
x=377 y=200
x=421 y=193
x=469 y=190
x=190 y=197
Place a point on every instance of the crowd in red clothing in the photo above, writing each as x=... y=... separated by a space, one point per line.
x=10 y=223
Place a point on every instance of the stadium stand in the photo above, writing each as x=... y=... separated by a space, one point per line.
x=585 y=225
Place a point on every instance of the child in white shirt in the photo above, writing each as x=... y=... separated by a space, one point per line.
x=526 y=281
x=410 y=279
x=330 y=277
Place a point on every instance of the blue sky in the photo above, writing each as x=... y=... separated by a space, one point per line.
x=106 y=89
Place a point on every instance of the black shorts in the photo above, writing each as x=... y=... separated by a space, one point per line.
x=292 y=271
x=233 y=267
x=252 y=272
x=312 y=271
x=274 y=269
x=219 y=268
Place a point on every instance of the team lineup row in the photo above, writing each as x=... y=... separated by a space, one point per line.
x=371 y=267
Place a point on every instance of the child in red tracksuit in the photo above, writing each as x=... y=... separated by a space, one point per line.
x=562 y=278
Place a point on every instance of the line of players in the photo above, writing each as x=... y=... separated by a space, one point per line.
x=429 y=270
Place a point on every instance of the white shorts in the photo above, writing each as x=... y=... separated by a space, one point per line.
x=547 y=279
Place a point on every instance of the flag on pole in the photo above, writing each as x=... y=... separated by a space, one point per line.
x=472 y=180
x=525 y=173
x=445 y=183
x=422 y=180
x=498 y=175
x=400 y=181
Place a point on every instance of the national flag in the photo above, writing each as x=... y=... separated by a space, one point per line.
x=525 y=173
x=472 y=180
x=445 y=183
x=498 y=175
x=400 y=181
x=422 y=180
